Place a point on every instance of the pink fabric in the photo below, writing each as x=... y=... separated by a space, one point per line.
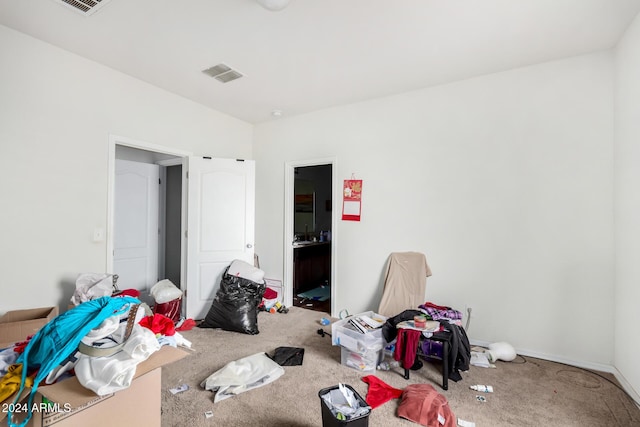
x=422 y=404
x=379 y=391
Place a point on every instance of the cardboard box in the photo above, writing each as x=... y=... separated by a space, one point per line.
x=140 y=404
x=17 y=325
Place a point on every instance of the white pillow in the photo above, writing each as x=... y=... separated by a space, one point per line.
x=247 y=271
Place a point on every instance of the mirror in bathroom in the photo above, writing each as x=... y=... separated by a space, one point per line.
x=305 y=207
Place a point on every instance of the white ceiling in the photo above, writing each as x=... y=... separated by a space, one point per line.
x=320 y=53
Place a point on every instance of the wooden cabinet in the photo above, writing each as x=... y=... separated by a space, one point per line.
x=312 y=266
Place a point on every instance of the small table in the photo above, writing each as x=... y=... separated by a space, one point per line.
x=443 y=337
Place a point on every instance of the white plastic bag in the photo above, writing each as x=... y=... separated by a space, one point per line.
x=245 y=270
x=242 y=375
x=90 y=286
x=165 y=291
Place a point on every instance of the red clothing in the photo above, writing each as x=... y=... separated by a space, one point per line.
x=187 y=325
x=127 y=293
x=379 y=391
x=270 y=294
x=19 y=346
x=437 y=307
x=407 y=347
x=159 y=324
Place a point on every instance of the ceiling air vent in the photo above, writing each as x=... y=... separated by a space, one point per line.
x=223 y=73
x=85 y=7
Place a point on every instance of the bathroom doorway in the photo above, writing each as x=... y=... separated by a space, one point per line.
x=309 y=253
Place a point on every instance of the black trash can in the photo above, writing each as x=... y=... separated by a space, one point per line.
x=329 y=420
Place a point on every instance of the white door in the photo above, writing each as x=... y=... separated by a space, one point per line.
x=135 y=241
x=221 y=216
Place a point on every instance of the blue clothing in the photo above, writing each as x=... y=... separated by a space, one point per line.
x=60 y=337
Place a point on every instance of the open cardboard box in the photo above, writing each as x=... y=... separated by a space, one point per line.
x=140 y=404
x=17 y=325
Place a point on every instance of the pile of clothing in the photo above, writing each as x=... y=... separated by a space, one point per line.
x=420 y=403
x=101 y=341
x=407 y=344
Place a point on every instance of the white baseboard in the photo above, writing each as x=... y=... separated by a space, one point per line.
x=578 y=363
x=602 y=367
x=627 y=387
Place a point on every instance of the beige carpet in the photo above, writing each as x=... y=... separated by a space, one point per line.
x=528 y=392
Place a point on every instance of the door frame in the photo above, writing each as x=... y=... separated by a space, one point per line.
x=114 y=141
x=289 y=180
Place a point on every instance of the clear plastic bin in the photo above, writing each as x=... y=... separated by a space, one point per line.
x=345 y=336
x=363 y=362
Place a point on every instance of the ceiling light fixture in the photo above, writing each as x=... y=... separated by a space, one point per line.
x=276 y=113
x=274 y=5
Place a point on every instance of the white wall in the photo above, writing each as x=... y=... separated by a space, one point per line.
x=56 y=113
x=627 y=205
x=503 y=181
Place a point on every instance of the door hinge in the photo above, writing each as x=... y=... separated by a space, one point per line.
x=159 y=181
x=186 y=234
x=187 y=174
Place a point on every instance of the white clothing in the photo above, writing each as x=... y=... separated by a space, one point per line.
x=106 y=375
x=242 y=375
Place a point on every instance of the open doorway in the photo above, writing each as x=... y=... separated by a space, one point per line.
x=146 y=218
x=310 y=224
x=215 y=236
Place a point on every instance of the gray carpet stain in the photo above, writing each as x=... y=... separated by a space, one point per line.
x=579 y=378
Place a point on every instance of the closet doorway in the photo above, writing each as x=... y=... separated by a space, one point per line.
x=146 y=216
x=206 y=238
x=310 y=242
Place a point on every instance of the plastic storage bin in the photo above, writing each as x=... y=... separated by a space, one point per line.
x=363 y=362
x=328 y=420
x=344 y=336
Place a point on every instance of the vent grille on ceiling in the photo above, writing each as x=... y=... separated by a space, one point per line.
x=85 y=7
x=223 y=73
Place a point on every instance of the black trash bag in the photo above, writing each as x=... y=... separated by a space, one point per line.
x=235 y=306
x=288 y=356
